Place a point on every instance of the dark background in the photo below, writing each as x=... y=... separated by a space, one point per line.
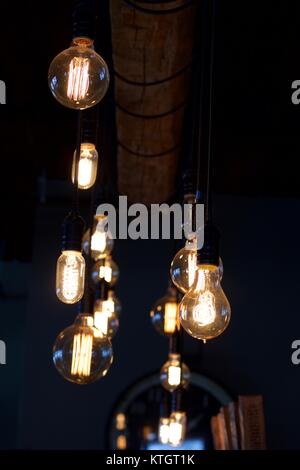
x=256 y=173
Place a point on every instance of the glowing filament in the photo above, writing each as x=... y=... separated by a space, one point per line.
x=177 y=428
x=70 y=277
x=78 y=82
x=174 y=375
x=175 y=433
x=105 y=272
x=192 y=266
x=170 y=321
x=101 y=321
x=110 y=306
x=85 y=172
x=205 y=311
x=121 y=442
x=164 y=431
x=82 y=355
x=98 y=242
x=120 y=421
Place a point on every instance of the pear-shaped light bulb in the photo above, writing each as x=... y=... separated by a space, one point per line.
x=204 y=311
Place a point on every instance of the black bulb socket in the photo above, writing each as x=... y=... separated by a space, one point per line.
x=72 y=232
x=83 y=20
x=210 y=252
x=101 y=290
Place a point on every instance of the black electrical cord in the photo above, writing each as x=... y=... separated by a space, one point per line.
x=76 y=163
x=186 y=4
x=155 y=82
x=209 y=150
x=201 y=75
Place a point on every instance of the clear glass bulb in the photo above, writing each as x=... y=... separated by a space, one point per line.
x=163 y=430
x=78 y=77
x=164 y=313
x=106 y=269
x=184 y=267
x=80 y=353
x=87 y=168
x=104 y=319
x=204 y=311
x=177 y=428
x=102 y=242
x=70 y=271
x=174 y=373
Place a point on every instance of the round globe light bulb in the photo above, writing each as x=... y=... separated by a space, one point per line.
x=80 y=353
x=78 y=77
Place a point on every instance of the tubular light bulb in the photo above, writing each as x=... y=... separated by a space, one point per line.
x=106 y=270
x=78 y=77
x=164 y=313
x=105 y=320
x=80 y=353
x=163 y=430
x=204 y=311
x=70 y=271
x=87 y=166
x=174 y=373
x=177 y=428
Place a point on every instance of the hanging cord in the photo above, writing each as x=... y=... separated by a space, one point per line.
x=176 y=398
x=76 y=163
x=89 y=293
x=201 y=103
x=187 y=4
x=209 y=150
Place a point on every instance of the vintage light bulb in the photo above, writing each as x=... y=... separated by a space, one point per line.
x=78 y=77
x=87 y=166
x=204 y=311
x=101 y=242
x=70 y=268
x=107 y=270
x=164 y=313
x=70 y=271
x=105 y=320
x=174 y=373
x=80 y=353
x=184 y=265
x=177 y=428
x=163 y=430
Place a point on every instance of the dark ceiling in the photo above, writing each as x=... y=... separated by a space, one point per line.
x=256 y=144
